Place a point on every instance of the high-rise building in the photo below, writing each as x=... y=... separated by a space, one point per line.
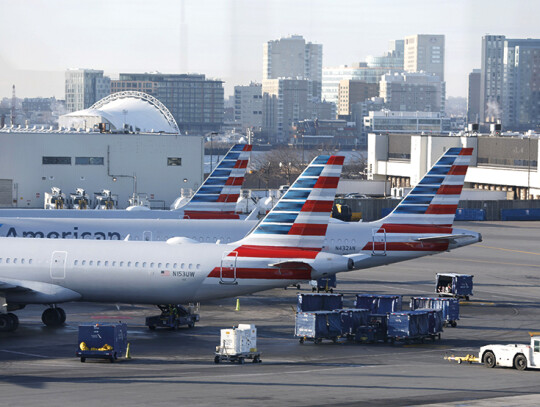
x=425 y=52
x=284 y=102
x=413 y=92
x=248 y=105
x=293 y=58
x=352 y=91
x=393 y=58
x=196 y=103
x=473 y=100
x=84 y=87
x=510 y=83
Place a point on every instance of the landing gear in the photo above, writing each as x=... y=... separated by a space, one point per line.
x=8 y=322
x=53 y=316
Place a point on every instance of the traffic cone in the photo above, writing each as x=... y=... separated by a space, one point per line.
x=128 y=356
x=237 y=304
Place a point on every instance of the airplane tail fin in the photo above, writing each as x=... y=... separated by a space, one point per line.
x=217 y=196
x=300 y=218
x=433 y=202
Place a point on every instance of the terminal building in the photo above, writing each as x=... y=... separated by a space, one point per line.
x=127 y=143
x=507 y=163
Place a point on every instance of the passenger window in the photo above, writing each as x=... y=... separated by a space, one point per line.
x=98 y=263
x=84 y=262
x=353 y=241
x=198 y=266
x=22 y=261
x=114 y=264
x=121 y=264
x=129 y=264
x=175 y=265
x=167 y=265
x=91 y=263
x=159 y=265
x=136 y=264
x=182 y=266
x=228 y=240
x=106 y=263
x=15 y=260
x=30 y=261
x=0 y=260
x=7 y=260
x=346 y=241
x=144 y=264
x=152 y=265
x=76 y=262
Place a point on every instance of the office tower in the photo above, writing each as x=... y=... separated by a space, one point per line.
x=293 y=58
x=413 y=92
x=352 y=91
x=491 y=78
x=248 y=105
x=393 y=58
x=196 y=103
x=84 y=87
x=473 y=100
x=424 y=52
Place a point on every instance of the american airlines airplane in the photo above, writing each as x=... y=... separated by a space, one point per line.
x=285 y=247
x=215 y=199
x=422 y=224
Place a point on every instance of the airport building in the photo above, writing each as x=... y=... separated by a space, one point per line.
x=126 y=144
x=499 y=163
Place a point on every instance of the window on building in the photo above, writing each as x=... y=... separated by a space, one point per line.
x=56 y=160
x=174 y=161
x=89 y=161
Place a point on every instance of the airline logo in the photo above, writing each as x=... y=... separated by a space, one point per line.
x=218 y=195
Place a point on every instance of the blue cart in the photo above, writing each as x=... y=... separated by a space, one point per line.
x=319 y=302
x=102 y=341
x=378 y=303
x=408 y=326
x=448 y=306
x=454 y=285
x=351 y=320
x=318 y=325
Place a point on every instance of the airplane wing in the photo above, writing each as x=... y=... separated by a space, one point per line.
x=35 y=292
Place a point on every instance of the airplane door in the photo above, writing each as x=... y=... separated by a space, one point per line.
x=147 y=236
x=58 y=265
x=379 y=242
x=227 y=270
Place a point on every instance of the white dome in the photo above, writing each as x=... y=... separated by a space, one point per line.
x=141 y=112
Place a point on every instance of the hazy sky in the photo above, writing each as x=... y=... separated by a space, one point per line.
x=40 y=39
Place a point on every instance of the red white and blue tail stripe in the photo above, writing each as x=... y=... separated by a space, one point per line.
x=300 y=219
x=217 y=196
x=435 y=199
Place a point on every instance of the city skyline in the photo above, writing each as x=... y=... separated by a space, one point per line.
x=224 y=39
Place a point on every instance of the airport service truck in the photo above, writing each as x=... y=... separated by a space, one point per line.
x=520 y=356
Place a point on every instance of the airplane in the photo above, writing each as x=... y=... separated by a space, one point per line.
x=380 y=238
x=285 y=247
x=215 y=199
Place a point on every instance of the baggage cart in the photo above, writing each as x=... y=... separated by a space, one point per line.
x=102 y=341
x=326 y=284
x=238 y=344
x=173 y=316
x=319 y=302
x=454 y=285
x=408 y=326
x=378 y=303
x=318 y=325
x=376 y=329
x=448 y=306
x=351 y=320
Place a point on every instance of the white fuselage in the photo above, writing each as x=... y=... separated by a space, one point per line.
x=147 y=272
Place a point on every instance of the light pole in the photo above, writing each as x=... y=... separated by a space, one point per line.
x=212 y=134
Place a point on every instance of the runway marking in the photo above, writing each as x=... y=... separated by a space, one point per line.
x=26 y=354
x=507 y=250
x=488 y=304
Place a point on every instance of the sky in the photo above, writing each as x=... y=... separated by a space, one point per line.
x=223 y=39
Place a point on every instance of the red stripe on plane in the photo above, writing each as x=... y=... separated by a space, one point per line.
x=228 y=198
x=458 y=170
x=308 y=229
x=247 y=147
x=409 y=228
x=441 y=209
x=275 y=252
x=327 y=182
x=290 y=272
x=433 y=246
x=336 y=160
x=241 y=164
x=450 y=190
x=210 y=215
x=235 y=181
x=466 y=151
x=318 y=206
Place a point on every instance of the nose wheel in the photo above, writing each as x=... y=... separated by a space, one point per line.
x=53 y=316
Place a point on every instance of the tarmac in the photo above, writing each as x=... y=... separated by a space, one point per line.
x=38 y=364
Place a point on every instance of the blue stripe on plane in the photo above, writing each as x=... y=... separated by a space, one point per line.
x=273 y=229
x=227 y=164
x=305 y=183
x=322 y=159
x=446 y=160
x=232 y=156
x=313 y=171
x=215 y=181
x=210 y=190
x=420 y=190
x=297 y=194
x=289 y=206
x=281 y=217
x=422 y=199
x=221 y=173
x=238 y=147
x=205 y=198
x=432 y=180
x=439 y=170
x=413 y=209
x=453 y=151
